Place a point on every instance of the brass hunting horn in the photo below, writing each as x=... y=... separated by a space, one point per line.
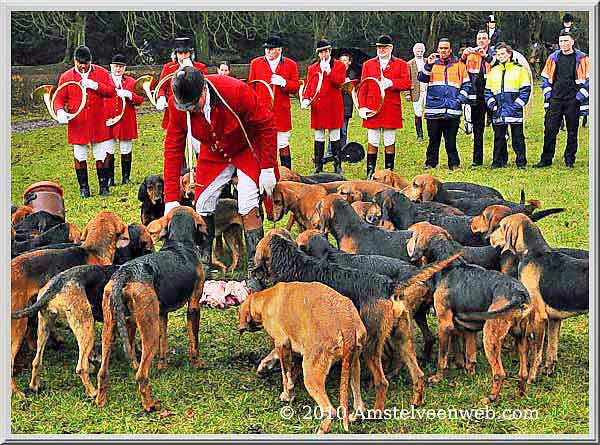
x=47 y=94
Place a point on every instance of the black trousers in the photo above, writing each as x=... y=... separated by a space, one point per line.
x=436 y=128
x=478 y=113
x=518 y=144
x=554 y=115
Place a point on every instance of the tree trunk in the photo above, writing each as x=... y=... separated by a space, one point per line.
x=434 y=29
x=75 y=35
x=202 y=46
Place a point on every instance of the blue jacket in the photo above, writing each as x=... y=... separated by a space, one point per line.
x=582 y=79
x=448 y=88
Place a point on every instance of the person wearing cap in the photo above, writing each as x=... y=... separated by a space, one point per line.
x=448 y=88
x=282 y=74
x=224 y=68
x=567 y=23
x=184 y=55
x=418 y=90
x=394 y=76
x=124 y=131
x=494 y=32
x=327 y=106
x=565 y=84
x=235 y=134
x=351 y=74
x=507 y=91
x=477 y=61
x=89 y=127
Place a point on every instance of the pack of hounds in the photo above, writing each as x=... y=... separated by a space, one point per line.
x=403 y=248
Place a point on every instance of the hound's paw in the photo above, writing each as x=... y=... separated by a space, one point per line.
x=198 y=363
x=286 y=396
x=154 y=405
x=488 y=400
x=436 y=378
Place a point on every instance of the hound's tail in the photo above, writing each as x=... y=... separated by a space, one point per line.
x=547 y=212
x=425 y=274
x=482 y=316
x=50 y=291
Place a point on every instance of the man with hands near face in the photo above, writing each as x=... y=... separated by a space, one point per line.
x=448 y=89
x=89 y=126
x=394 y=76
x=282 y=74
x=327 y=108
x=184 y=50
x=478 y=62
x=124 y=131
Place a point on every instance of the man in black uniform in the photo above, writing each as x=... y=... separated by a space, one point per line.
x=565 y=82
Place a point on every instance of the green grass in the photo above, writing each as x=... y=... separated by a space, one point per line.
x=228 y=397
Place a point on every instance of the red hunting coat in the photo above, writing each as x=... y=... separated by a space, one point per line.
x=288 y=69
x=327 y=110
x=165 y=90
x=126 y=128
x=369 y=96
x=222 y=141
x=90 y=125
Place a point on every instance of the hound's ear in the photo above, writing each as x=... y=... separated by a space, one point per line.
x=201 y=225
x=492 y=219
x=430 y=190
x=74 y=233
x=142 y=193
x=510 y=237
x=85 y=232
x=123 y=235
x=158 y=228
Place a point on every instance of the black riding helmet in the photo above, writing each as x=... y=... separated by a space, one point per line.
x=187 y=84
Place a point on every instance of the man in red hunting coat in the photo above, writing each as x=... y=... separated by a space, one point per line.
x=395 y=77
x=282 y=74
x=183 y=49
x=124 y=131
x=234 y=133
x=327 y=107
x=89 y=127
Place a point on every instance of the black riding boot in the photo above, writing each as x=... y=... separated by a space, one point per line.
x=102 y=173
x=82 y=178
x=126 y=167
x=389 y=160
x=252 y=238
x=318 y=156
x=336 y=147
x=110 y=159
x=371 y=164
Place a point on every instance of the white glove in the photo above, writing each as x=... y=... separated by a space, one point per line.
x=186 y=62
x=362 y=112
x=124 y=93
x=89 y=83
x=305 y=103
x=61 y=116
x=161 y=103
x=386 y=83
x=266 y=181
x=276 y=79
x=170 y=206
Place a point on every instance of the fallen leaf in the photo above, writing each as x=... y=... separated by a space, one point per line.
x=190 y=414
x=165 y=414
